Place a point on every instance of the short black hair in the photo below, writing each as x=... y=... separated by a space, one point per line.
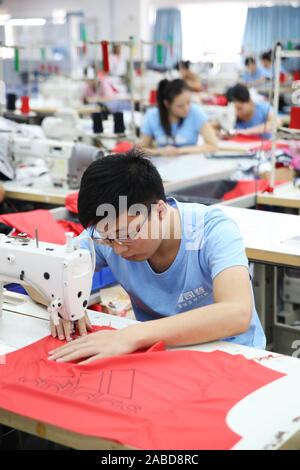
x=267 y=56
x=130 y=174
x=250 y=60
x=238 y=92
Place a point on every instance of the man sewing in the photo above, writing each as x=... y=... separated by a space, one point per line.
x=253 y=118
x=183 y=265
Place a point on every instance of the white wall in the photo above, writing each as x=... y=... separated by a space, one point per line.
x=117 y=19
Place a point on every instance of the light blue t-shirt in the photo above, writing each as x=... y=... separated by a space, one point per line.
x=257 y=75
x=211 y=242
x=260 y=116
x=185 y=134
x=270 y=72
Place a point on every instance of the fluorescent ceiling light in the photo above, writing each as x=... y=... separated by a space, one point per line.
x=26 y=21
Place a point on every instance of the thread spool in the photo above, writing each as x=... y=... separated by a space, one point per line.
x=11 y=101
x=119 y=127
x=295 y=118
x=97 y=123
x=159 y=54
x=296 y=75
x=152 y=97
x=25 y=105
x=17 y=60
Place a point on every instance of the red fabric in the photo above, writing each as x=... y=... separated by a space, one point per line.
x=71 y=203
x=258 y=144
x=68 y=226
x=49 y=229
x=295 y=118
x=96 y=307
x=248 y=187
x=163 y=400
x=122 y=147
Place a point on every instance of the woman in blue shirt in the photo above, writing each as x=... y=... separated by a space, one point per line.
x=254 y=76
x=176 y=123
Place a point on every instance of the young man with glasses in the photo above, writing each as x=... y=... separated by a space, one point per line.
x=183 y=265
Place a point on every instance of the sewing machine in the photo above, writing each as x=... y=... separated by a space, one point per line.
x=65 y=160
x=60 y=274
x=224 y=115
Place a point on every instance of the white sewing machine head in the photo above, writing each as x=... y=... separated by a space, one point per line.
x=66 y=160
x=60 y=274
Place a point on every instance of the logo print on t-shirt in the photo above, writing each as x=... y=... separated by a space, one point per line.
x=191 y=297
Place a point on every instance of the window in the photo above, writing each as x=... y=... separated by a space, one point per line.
x=213 y=31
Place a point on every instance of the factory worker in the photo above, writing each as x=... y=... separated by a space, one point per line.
x=183 y=265
x=254 y=76
x=175 y=124
x=253 y=118
x=192 y=79
x=269 y=69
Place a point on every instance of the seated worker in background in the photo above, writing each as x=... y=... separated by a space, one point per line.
x=254 y=77
x=192 y=79
x=106 y=90
x=98 y=90
x=176 y=123
x=183 y=265
x=253 y=118
x=269 y=69
x=117 y=64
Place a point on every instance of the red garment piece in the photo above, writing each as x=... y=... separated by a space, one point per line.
x=71 y=202
x=122 y=147
x=69 y=226
x=245 y=139
x=163 y=400
x=258 y=142
x=49 y=229
x=248 y=187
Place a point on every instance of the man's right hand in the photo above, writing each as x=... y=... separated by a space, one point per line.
x=63 y=329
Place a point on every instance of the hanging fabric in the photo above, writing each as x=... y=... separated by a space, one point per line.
x=17 y=60
x=105 y=59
